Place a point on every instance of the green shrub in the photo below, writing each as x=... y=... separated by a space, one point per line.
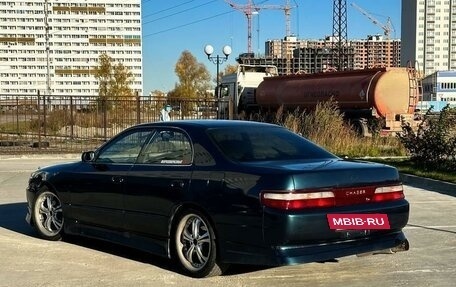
x=433 y=145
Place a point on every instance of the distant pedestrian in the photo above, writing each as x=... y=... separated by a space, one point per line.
x=164 y=113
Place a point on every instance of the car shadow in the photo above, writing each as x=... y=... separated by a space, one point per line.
x=12 y=217
x=239 y=269
x=147 y=258
x=123 y=251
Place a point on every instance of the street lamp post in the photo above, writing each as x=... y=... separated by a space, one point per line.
x=218 y=61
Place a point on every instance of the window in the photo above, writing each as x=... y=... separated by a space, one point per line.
x=125 y=149
x=167 y=147
x=271 y=144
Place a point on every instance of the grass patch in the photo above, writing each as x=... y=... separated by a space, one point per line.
x=15 y=127
x=370 y=147
x=411 y=167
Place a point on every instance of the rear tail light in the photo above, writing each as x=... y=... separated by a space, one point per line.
x=388 y=193
x=295 y=201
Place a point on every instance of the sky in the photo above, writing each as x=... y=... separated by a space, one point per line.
x=173 y=26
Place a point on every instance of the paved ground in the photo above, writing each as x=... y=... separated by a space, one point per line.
x=28 y=261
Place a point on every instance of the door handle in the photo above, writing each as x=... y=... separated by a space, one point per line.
x=117 y=179
x=177 y=184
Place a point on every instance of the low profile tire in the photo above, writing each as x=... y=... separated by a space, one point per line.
x=48 y=215
x=195 y=247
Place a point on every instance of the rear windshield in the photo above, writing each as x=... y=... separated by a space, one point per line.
x=265 y=144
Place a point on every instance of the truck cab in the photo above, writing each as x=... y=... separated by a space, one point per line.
x=237 y=90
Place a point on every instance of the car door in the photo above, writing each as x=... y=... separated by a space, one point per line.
x=158 y=180
x=96 y=188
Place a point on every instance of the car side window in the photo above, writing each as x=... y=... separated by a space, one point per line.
x=167 y=147
x=125 y=148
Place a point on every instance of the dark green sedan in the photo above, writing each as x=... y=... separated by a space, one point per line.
x=210 y=193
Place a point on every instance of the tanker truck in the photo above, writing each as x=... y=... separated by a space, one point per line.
x=386 y=96
x=237 y=90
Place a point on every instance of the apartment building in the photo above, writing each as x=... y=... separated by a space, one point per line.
x=376 y=51
x=292 y=55
x=281 y=48
x=428 y=31
x=52 y=46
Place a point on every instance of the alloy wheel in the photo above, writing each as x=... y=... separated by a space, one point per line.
x=49 y=214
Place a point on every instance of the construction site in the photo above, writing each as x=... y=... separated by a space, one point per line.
x=364 y=78
x=334 y=52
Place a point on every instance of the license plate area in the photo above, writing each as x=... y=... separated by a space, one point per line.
x=358 y=222
x=352 y=234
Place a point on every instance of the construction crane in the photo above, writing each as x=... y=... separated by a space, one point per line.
x=387 y=28
x=250 y=9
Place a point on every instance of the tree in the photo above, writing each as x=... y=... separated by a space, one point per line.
x=193 y=77
x=193 y=83
x=229 y=69
x=103 y=74
x=114 y=80
x=121 y=81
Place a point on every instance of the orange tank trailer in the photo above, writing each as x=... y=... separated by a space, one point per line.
x=388 y=93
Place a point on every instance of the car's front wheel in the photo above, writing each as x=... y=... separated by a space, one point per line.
x=195 y=246
x=48 y=215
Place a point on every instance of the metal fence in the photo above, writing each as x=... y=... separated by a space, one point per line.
x=34 y=124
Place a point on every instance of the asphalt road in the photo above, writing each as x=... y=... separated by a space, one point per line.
x=26 y=260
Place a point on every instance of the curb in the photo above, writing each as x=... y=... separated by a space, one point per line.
x=69 y=156
x=429 y=184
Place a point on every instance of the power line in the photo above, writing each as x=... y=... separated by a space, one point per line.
x=180 y=12
x=167 y=9
x=188 y=24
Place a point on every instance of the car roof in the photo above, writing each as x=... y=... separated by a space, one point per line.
x=203 y=123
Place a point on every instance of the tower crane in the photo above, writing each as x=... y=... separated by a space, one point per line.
x=387 y=28
x=251 y=8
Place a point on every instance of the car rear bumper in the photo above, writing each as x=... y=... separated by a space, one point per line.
x=284 y=228
x=306 y=236
x=296 y=254
x=313 y=252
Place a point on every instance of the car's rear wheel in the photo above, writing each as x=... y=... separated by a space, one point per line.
x=48 y=215
x=195 y=246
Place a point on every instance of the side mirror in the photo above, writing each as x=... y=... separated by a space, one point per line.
x=87 y=156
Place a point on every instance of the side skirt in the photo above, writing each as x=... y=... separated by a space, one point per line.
x=151 y=245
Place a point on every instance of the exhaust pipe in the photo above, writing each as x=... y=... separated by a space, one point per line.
x=403 y=245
